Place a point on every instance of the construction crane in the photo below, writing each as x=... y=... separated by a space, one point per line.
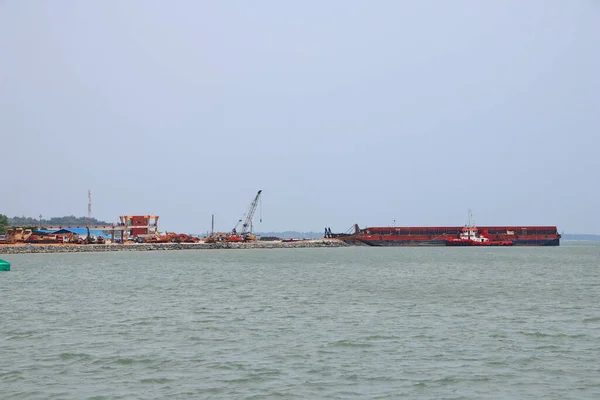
x=246 y=231
x=234 y=230
x=247 y=226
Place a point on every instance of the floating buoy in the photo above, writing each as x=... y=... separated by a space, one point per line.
x=4 y=265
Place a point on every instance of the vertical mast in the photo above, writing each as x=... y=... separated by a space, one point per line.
x=470 y=225
x=89 y=216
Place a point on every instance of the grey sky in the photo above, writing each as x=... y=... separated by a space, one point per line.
x=341 y=111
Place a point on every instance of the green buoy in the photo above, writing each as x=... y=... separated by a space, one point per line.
x=4 y=265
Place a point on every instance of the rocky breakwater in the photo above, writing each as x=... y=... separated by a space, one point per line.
x=73 y=248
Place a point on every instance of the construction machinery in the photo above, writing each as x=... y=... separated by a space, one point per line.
x=245 y=234
x=16 y=235
x=167 y=237
x=44 y=239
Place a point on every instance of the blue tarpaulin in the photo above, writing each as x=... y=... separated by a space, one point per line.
x=82 y=232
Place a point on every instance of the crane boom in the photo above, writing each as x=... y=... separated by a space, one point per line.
x=247 y=226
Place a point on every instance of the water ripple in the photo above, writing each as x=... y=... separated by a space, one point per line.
x=310 y=323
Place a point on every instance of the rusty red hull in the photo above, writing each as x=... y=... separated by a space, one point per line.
x=439 y=236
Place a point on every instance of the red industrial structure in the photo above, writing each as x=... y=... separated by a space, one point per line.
x=139 y=224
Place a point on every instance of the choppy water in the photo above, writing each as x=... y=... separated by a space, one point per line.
x=364 y=323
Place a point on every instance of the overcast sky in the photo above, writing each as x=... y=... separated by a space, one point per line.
x=341 y=111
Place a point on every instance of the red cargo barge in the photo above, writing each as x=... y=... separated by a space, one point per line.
x=448 y=236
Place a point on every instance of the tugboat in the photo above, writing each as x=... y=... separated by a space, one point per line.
x=470 y=236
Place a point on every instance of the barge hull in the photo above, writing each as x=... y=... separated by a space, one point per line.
x=439 y=236
x=434 y=243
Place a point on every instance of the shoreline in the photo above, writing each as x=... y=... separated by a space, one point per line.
x=89 y=248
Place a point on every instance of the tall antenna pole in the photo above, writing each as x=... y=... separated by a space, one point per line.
x=212 y=226
x=89 y=217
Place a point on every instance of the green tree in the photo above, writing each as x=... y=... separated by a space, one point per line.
x=3 y=223
x=69 y=220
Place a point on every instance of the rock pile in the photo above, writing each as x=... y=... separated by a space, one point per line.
x=72 y=248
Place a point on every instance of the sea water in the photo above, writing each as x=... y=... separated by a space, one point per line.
x=343 y=323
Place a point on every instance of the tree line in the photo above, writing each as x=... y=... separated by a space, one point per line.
x=70 y=220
